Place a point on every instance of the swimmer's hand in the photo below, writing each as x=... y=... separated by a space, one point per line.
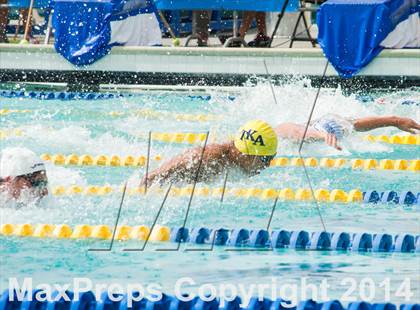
x=407 y=124
x=332 y=141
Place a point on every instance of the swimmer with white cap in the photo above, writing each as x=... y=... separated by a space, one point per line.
x=22 y=171
x=255 y=145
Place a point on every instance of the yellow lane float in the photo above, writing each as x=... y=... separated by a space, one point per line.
x=10 y=133
x=83 y=231
x=300 y=194
x=329 y=163
x=152 y=114
x=99 y=160
x=396 y=139
x=9 y=111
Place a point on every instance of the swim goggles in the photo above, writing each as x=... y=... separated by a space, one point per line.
x=267 y=159
x=34 y=180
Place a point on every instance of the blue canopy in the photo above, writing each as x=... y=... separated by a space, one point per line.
x=350 y=31
x=83 y=27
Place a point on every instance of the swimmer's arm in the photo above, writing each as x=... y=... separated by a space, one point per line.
x=185 y=165
x=177 y=165
x=370 y=123
x=295 y=132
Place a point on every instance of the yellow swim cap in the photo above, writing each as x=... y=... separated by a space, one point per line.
x=256 y=138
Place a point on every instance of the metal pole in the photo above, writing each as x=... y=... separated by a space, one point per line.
x=28 y=21
x=48 y=31
x=279 y=18
x=235 y=24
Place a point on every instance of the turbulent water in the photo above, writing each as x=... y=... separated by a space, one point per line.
x=86 y=127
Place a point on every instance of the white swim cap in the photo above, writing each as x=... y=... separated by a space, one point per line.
x=18 y=161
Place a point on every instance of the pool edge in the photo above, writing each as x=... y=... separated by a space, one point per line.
x=200 y=66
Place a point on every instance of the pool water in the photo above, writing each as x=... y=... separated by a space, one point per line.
x=93 y=127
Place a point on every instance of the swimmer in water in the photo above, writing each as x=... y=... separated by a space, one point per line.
x=255 y=145
x=22 y=172
x=332 y=128
x=251 y=151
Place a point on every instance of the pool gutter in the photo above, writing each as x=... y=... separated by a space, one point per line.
x=199 y=67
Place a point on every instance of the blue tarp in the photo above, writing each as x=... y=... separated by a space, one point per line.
x=83 y=28
x=238 y=5
x=350 y=31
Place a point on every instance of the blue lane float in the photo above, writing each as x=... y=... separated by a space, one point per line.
x=219 y=236
x=362 y=242
x=369 y=98
x=49 y=95
x=404 y=243
x=299 y=240
x=87 y=300
x=382 y=243
x=407 y=198
x=280 y=239
x=410 y=102
x=238 y=237
x=320 y=241
x=208 y=97
x=54 y=95
x=403 y=198
x=259 y=238
x=340 y=241
x=198 y=235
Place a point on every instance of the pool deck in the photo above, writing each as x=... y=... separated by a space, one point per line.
x=194 y=65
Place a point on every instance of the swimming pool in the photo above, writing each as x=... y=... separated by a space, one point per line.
x=120 y=126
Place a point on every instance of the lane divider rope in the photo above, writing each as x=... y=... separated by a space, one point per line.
x=11 y=133
x=135 y=161
x=396 y=139
x=357 y=163
x=51 y=95
x=99 y=160
x=143 y=113
x=383 y=100
x=300 y=194
x=189 y=138
x=241 y=237
x=55 y=95
x=124 y=301
x=152 y=114
x=12 y=111
x=193 y=138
